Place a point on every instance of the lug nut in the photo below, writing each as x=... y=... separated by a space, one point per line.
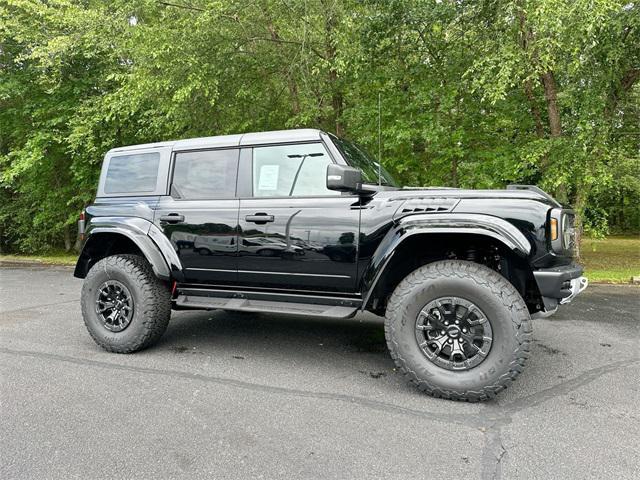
x=457 y=322
x=450 y=340
x=446 y=322
x=464 y=330
x=442 y=332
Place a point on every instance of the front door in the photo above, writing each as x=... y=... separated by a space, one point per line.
x=294 y=233
x=200 y=217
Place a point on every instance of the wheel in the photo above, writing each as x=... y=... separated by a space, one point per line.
x=124 y=305
x=458 y=330
x=204 y=251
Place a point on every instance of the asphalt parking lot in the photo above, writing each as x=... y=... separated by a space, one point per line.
x=231 y=396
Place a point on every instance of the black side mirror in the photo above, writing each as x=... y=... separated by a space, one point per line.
x=343 y=178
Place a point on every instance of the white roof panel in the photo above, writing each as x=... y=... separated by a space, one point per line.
x=221 y=141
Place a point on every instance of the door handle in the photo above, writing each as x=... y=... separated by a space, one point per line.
x=259 y=218
x=172 y=218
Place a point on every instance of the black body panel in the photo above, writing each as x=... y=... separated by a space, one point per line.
x=302 y=243
x=206 y=240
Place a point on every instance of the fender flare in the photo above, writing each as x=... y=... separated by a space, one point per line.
x=469 y=223
x=155 y=247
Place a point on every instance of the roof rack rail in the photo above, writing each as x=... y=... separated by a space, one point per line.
x=533 y=188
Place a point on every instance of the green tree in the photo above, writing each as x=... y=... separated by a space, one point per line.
x=474 y=94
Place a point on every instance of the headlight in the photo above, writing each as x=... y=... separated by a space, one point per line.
x=562 y=234
x=568 y=231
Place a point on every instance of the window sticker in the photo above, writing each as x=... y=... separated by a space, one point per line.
x=268 y=179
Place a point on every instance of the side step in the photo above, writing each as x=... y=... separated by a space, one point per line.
x=264 y=306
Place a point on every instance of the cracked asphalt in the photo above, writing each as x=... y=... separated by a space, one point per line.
x=241 y=396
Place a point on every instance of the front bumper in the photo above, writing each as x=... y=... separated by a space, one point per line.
x=559 y=285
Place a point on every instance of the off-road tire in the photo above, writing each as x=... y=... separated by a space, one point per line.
x=151 y=300
x=491 y=292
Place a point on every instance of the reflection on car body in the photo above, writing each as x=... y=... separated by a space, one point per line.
x=268 y=247
x=215 y=244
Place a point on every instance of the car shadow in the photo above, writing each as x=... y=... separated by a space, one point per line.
x=245 y=333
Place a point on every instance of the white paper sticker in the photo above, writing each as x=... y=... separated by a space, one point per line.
x=268 y=177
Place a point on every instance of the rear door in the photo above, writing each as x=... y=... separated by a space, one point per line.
x=295 y=233
x=200 y=216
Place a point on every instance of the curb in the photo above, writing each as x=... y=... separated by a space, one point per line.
x=33 y=263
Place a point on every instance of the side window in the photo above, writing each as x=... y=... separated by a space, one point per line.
x=205 y=174
x=137 y=173
x=291 y=170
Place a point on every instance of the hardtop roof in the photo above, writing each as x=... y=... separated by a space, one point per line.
x=238 y=140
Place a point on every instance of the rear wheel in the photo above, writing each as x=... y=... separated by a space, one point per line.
x=458 y=330
x=124 y=305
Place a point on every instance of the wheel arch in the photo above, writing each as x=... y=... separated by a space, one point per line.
x=112 y=235
x=418 y=241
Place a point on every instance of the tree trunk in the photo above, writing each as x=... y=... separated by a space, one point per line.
x=337 y=99
x=454 y=172
x=78 y=243
x=620 y=215
x=553 y=112
x=578 y=207
x=551 y=95
x=295 y=100
x=526 y=39
x=527 y=43
x=337 y=103
x=535 y=111
x=67 y=238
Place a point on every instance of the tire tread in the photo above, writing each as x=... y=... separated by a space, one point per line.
x=483 y=277
x=155 y=304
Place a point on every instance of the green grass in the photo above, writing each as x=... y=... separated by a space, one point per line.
x=611 y=260
x=52 y=258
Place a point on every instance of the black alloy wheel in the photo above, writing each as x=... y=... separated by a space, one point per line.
x=453 y=333
x=114 y=305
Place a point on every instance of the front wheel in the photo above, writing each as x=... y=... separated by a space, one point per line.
x=458 y=330
x=124 y=305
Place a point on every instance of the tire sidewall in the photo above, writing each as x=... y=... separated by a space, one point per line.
x=90 y=290
x=501 y=317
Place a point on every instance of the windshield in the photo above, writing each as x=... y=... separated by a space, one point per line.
x=358 y=158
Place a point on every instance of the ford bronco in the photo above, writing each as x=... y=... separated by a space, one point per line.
x=303 y=222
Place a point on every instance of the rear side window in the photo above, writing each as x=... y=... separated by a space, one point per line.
x=205 y=174
x=137 y=173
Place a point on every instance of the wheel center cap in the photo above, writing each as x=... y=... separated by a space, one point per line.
x=453 y=331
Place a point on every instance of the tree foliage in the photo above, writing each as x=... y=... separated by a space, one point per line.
x=474 y=93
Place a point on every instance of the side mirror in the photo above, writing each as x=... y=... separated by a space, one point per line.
x=343 y=178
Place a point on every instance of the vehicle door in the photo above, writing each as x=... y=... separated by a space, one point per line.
x=294 y=233
x=200 y=216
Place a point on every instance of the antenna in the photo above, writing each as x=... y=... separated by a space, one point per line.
x=379 y=142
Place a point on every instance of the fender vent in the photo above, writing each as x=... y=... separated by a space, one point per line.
x=428 y=205
x=426 y=209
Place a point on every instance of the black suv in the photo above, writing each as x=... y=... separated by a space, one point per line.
x=302 y=222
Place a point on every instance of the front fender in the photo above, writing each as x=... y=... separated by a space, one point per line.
x=141 y=232
x=454 y=223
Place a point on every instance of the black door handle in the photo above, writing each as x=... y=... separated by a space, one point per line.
x=172 y=218
x=259 y=218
